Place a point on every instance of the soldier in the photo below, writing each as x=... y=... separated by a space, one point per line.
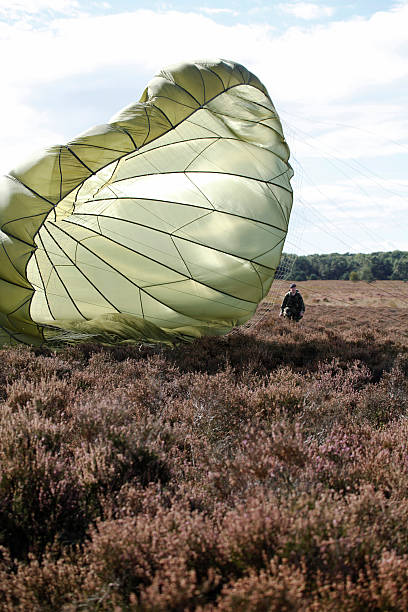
x=293 y=306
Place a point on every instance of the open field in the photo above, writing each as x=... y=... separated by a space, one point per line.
x=384 y=294
x=264 y=470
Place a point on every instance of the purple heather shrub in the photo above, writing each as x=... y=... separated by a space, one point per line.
x=263 y=470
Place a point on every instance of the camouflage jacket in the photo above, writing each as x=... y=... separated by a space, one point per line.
x=294 y=302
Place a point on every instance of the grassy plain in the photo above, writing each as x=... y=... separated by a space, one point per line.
x=264 y=470
x=378 y=294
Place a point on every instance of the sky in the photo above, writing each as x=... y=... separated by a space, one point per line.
x=336 y=71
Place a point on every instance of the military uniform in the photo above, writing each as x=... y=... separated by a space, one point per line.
x=292 y=306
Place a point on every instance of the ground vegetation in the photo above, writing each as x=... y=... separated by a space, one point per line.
x=263 y=470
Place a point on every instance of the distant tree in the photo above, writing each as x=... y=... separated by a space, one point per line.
x=367 y=273
x=381 y=267
x=400 y=269
x=354 y=276
x=368 y=267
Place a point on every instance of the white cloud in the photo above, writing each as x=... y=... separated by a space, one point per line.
x=327 y=63
x=307 y=71
x=309 y=66
x=218 y=11
x=349 y=131
x=329 y=76
x=306 y=10
x=14 y=9
x=33 y=132
x=354 y=215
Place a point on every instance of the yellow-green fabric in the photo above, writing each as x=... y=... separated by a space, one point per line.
x=167 y=222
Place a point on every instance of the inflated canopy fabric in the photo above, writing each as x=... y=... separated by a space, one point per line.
x=168 y=222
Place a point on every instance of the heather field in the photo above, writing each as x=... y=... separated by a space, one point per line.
x=262 y=471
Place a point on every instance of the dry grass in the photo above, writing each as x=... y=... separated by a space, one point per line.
x=383 y=294
x=265 y=470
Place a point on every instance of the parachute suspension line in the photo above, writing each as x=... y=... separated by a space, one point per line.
x=327 y=231
x=285 y=268
x=282 y=275
x=344 y=125
x=327 y=222
x=367 y=230
x=380 y=290
x=355 y=167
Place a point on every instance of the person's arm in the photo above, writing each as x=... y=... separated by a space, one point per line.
x=285 y=299
x=302 y=305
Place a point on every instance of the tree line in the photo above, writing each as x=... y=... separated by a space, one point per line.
x=391 y=265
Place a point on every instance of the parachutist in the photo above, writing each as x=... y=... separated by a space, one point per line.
x=293 y=306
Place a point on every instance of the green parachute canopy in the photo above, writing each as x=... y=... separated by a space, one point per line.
x=167 y=222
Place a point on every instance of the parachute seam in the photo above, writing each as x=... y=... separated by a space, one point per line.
x=183 y=89
x=170 y=283
x=83 y=274
x=130 y=136
x=200 y=190
x=213 y=141
x=169 y=144
x=13 y=336
x=250 y=152
x=216 y=136
x=277 y=201
x=148 y=127
x=155 y=260
x=94 y=146
x=141 y=303
x=33 y=191
x=76 y=196
x=121 y=245
x=202 y=81
x=53 y=266
x=251 y=178
x=16 y=284
x=20 y=219
x=203 y=128
x=181 y=257
x=80 y=161
x=219 y=78
x=124 y=246
x=242 y=75
x=60 y=172
x=163 y=113
x=268 y=251
x=260 y=122
x=128 y=279
x=275 y=116
x=180 y=238
x=221 y=211
x=214 y=301
x=12 y=264
x=178 y=102
x=32 y=247
x=18 y=307
x=43 y=284
x=190 y=222
x=260 y=280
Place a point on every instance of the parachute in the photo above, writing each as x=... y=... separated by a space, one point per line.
x=166 y=223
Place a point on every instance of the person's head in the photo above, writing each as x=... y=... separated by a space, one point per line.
x=292 y=288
